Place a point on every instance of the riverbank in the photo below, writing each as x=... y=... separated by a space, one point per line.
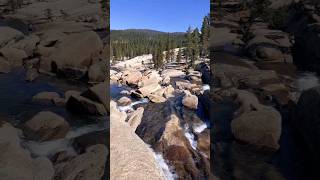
x=54 y=104
x=163 y=108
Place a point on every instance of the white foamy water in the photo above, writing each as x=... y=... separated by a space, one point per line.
x=190 y=136
x=198 y=129
x=206 y=87
x=130 y=106
x=165 y=168
x=168 y=172
x=49 y=148
x=306 y=81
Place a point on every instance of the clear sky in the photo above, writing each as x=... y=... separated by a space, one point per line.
x=162 y=15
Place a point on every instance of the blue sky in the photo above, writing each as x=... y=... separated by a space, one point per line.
x=162 y=15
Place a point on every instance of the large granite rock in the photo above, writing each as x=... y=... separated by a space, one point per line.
x=46 y=126
x=129 y=155
x=17 y=162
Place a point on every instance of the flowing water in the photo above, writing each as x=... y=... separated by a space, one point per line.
x=158 y=121
x=16 y=104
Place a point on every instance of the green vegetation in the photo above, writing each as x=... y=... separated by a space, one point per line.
x=135 y=42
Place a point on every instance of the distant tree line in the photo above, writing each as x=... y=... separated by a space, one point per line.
x=191 y=45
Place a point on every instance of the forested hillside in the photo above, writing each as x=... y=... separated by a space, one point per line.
x=134 y=42
x=130 y=43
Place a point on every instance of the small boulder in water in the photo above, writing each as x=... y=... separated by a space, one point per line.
x=98 y=93
x=190 y=101
x=79 y=104
x=84 y=141
x=46 y=126
x=31 y=74
x=124 y=101
x=69 y=93
x=46 y=97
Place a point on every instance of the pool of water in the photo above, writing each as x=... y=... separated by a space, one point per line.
x=16 y=97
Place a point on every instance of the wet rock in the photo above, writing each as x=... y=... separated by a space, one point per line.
x=46 y=126
x=175 y=148
x=306 y=47
x=4 y=66
x=82 y=142
x=124 y=101
x=190 y=101
x=31 y=74
x=171 y=127
x=203 y=142
x=205 y=71
x=69 y=93
x=89 y=165
x=46 y=97
x=134 y=119
x=98 y=93
x=79 y=104
x=305 y=117
x=97 y=72
x=129 y=155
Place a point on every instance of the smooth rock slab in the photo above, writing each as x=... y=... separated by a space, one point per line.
x=129 y=155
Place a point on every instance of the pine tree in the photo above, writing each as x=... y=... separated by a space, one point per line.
x=189 y=44
x=179 y=56
x=205 y=35
x=195 y=47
